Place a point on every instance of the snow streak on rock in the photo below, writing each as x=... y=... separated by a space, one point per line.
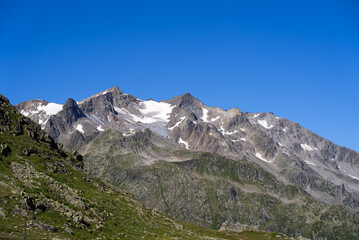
x=258 y=155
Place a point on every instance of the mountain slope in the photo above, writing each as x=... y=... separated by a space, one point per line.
x=292 y=153
x=47 y=184
x=211 y=190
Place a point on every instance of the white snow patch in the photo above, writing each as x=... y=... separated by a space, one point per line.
x=153 y=115
x=152 y=112
x=180 y=140
x=223 y=131
x=310 y=163
x=256 y=115
x=80 y=128
x=155 y=111
x=99 y=128
x=231 y=133
x=280 y=144
x=178 y=123
x=351 y=175
x=285 y=129
x=264 y=124
x=43 y=125
x=215 y=119
x=242 y=129
x=108 y=117
x=243 y=139
x=50 y=108
x=205 y=115
x=306 y=147
x=23 y=112
x=258 y=155
x=104 y=92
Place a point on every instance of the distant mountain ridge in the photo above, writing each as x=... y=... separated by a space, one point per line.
x=293 y=154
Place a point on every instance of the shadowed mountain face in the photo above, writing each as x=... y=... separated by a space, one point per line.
x=291 y=153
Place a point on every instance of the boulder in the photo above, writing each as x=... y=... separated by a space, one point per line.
x=2 y=214
x=69 y=230
x=5 y=150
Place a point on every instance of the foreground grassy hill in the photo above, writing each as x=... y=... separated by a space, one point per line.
x=41 y=181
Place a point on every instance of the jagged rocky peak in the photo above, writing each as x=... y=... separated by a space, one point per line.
x=31 y=106
x=186 y=107
x=39 y=111
x=107 y=100
x=185 y=101
x=114 y=90
x=71 y=111
x=234 y=111
x=38 y=107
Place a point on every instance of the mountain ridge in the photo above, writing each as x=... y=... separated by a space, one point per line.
x=186 y=121
x=292 y=154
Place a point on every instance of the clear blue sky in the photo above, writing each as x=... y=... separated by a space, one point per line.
x=298 y=59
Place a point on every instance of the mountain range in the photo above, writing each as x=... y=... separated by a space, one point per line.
x=217 y=168
x=45 y=189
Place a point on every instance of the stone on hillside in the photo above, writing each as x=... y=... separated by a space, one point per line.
x=5 y=150
x=69 y=231
x=30 y=204
x=2 y=214
x=41 y=206
x=25 y=152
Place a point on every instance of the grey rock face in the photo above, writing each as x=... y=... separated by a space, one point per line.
x=63 y=121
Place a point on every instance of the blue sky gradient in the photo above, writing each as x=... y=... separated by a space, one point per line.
x=298 y=59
